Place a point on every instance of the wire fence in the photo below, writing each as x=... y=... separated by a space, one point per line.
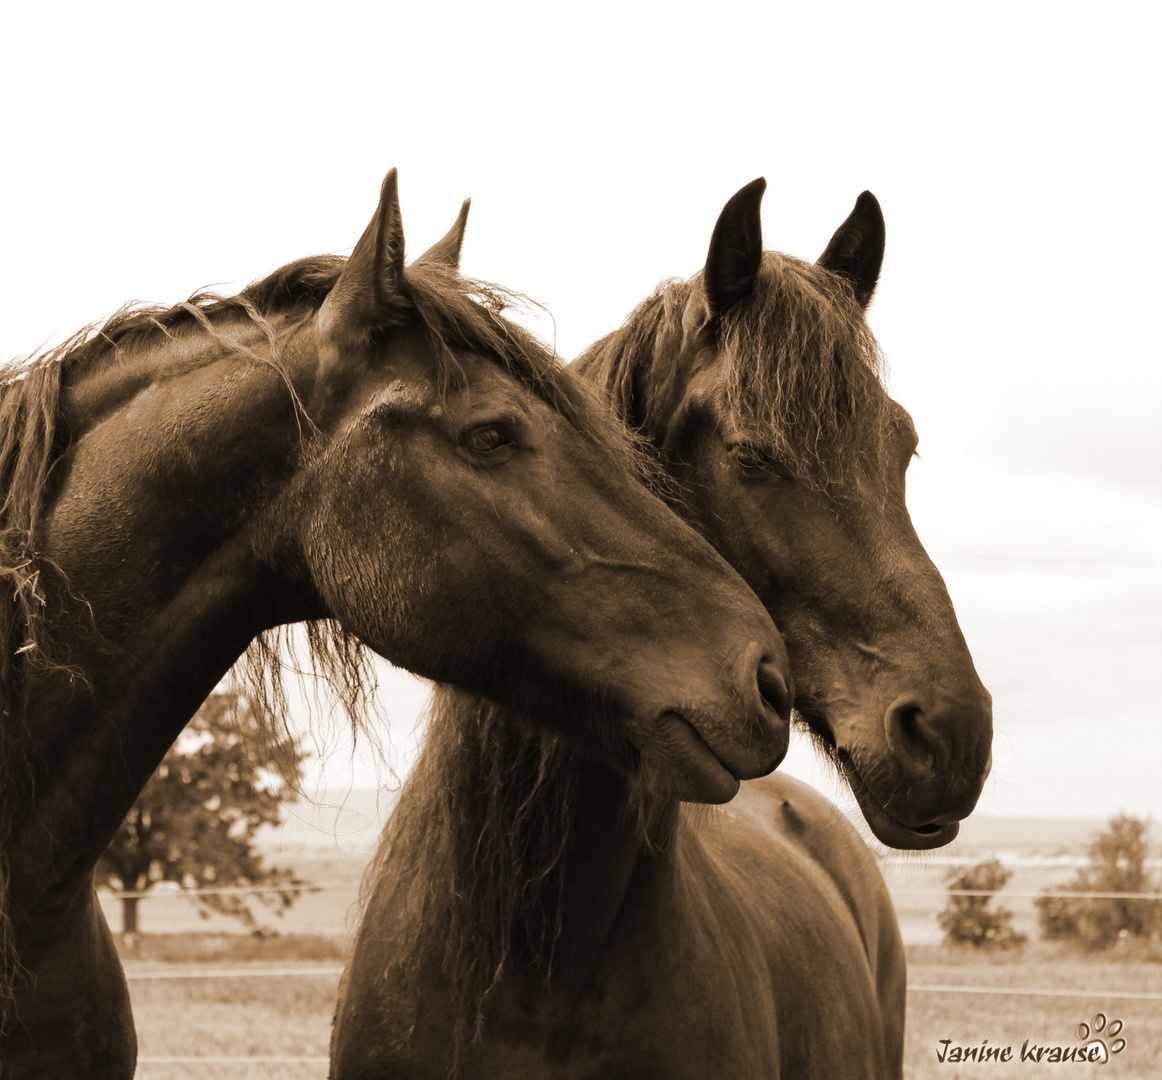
x=334 y=971
x=238 y=890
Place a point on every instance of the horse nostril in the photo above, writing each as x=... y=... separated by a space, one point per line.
x=775 y=688
x=914 y=740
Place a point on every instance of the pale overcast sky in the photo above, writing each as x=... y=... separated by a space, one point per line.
x=152 y=150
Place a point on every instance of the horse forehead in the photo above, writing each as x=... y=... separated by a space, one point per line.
x=403 y=395
x=477 y=384
x=705 y=394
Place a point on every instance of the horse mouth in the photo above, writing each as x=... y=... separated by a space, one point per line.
x=887 y=829
x=693 y=772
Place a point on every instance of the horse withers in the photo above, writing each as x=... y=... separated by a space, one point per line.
x=373 y=449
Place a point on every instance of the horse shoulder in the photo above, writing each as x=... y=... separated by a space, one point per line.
x=809 y=832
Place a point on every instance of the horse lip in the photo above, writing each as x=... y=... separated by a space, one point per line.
x=886 y=828
x=690 y=758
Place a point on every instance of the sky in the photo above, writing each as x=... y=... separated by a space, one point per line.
x=154 y=150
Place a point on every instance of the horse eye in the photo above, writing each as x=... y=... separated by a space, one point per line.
x=488 y=440
x=750 y=459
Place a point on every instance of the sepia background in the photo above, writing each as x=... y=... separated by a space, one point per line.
x=1012 y=147
x=150 y=152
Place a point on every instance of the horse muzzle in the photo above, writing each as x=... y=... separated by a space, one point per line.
x=699 y=750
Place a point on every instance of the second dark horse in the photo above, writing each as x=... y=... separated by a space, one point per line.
x=540 y=912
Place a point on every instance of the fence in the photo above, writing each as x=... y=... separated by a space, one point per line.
x=902 y=897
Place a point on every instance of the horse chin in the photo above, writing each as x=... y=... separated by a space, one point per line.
x=682 y=766
x=886 y=829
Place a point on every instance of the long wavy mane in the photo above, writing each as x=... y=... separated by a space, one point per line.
x=798 y=365
x=472 y=858
x=476 y=844
x=456 y=313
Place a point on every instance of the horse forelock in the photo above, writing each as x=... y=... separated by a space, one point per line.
x=799 y=369
x=802 y=367
x=466 y=314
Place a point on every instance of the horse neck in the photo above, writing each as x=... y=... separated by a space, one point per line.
x=521 y=852
x=152 y=581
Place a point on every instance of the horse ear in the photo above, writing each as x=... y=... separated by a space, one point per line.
x=857 y=249
x=374 y=272
x=447 y=250
x=736 y=249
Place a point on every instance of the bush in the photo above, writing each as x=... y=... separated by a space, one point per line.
x=1117 y=863
x=195 y=820
x=970 y=920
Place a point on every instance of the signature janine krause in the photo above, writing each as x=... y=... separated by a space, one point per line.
x=1093 y=1046
x=948 y=1051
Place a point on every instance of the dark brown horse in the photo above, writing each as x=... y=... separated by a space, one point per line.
x=537 y=912
x=540 y=911
x=370 y=448
x=758 y=384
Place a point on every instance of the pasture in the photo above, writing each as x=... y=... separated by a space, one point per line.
x=271 y=998
x=287 y=1013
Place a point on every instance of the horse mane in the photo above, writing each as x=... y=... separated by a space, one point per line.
x=27 y=428
x=475 y=848
x=800 y=368
x=454 y=312
x=476 y=844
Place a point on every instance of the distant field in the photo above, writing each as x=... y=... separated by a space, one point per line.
x=1010 y=1020
x=331 y=846
x=280 y=1016
x=288 y=1014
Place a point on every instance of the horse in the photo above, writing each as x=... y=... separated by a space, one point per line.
x=534 y=911
x=368 y=447
x=538 y=911
x=758 y=385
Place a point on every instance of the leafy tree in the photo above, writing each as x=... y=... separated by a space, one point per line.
x=195 y=820
x=970 y=920
x=1117 y=863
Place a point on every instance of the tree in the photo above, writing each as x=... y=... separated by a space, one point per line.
x=1117 y=863
x=969 y=920
x=195 y=820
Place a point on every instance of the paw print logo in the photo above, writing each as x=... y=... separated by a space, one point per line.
x=1102 y=1034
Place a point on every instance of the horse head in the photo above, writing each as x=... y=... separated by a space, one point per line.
x=474 y=514
x=758 y=382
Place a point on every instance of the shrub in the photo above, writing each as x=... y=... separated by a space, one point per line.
x=1117 y=863
x=971 y=920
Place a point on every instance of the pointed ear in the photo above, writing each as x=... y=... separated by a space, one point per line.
x=447 y=250
x=857 y=249
x=736 y=249
x=374 y=273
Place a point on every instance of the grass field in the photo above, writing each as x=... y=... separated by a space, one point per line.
x=1009 y=1020
x=281 y=1006
x=283 y=1016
